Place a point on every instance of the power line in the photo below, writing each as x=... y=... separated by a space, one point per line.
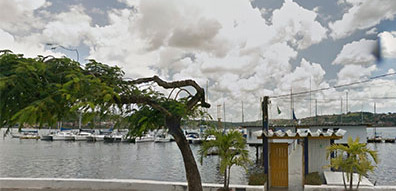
x=338 y=99
x=335 y=87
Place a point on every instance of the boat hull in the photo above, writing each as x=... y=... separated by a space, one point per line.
x=46 y=137
x=62 y=138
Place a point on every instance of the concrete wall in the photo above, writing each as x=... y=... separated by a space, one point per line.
x=341 y=188
x=295 y=167
x=251 y=138
x=317 y=155
x=106 y=184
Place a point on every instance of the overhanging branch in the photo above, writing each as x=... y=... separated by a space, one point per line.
x=198 y=97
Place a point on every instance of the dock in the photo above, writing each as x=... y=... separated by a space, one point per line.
x=381 y=140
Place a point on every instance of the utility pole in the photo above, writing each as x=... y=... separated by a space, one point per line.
x=219 y=115
x=361 y=111
x=291 y=103
x=224 y=113
x=310 y=99
x=243 y=116
x=264 y=108
x=341 y=111
x=375 y=121
x=316 y=111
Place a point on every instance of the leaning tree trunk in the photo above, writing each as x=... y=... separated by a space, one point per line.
x=351 y=181
x=192 y=172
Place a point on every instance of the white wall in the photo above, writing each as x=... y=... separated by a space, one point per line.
x=295 y=167
x=317 y=155
x=251 y=138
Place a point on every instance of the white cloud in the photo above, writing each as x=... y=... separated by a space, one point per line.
x=372 y=31
x=29 y=46
x=357 y=59
x=68 y=28
x=362 y=15
x=388 y=44
x=357 y=52
x=18 y=16
x=297 y=25
x=353 y=73
x=241 y=54
x=306 y=75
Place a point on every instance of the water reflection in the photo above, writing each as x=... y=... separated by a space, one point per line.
x=35 y=158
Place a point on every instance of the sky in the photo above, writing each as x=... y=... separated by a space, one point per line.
x=241 y=50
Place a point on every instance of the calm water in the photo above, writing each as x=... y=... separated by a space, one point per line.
x=60 y=159
x=154 y=161
x=385 y=173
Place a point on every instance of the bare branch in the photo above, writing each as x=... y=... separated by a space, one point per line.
x=198 y=97
x=182 y=89
x=170 y=94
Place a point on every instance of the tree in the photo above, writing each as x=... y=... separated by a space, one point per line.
x=43 y=90
x=231 y=147
x=352 y=158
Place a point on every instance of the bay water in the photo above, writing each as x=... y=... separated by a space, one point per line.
x=152 y=161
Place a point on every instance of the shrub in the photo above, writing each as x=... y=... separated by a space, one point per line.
x=257 y=178
x=313 y=178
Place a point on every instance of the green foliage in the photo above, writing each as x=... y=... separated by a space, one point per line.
x=352 y=158
x=231 y=147
x=313 y=178
x=45 y=90
x=142 y=120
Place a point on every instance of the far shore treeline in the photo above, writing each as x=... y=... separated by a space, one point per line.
x=371 y=119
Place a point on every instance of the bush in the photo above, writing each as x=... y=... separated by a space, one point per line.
x=258 y=178
x=313 y=178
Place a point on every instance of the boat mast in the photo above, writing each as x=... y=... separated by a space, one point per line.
x=375 y=126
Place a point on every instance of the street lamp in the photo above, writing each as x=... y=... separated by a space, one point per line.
x=54 y=46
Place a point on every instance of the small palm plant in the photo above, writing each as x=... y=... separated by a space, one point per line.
x=352 y=158
x=231 y=148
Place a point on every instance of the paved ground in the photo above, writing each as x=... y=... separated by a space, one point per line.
x=49 y=189
x=278 y=189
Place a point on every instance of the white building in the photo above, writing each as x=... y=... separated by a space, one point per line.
x=294 y=151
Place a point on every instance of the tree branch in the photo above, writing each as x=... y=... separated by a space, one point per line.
x=198 y=97
x=144 y=100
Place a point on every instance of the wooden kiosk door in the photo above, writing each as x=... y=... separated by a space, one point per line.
x=279 y=164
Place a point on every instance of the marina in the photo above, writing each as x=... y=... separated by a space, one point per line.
x=117 y=160
x=145 y=160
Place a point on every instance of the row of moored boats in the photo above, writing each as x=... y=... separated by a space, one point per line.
x=107 y=135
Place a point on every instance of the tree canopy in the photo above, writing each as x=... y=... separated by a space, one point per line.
x=43 y=90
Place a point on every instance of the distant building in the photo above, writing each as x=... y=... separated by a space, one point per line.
x=295 y=151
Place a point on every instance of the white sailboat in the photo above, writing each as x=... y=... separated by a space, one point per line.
x=63 y=136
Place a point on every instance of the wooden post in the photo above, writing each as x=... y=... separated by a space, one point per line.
x=265 y=127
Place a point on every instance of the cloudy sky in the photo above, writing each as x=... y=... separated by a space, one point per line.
x=243 y=49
